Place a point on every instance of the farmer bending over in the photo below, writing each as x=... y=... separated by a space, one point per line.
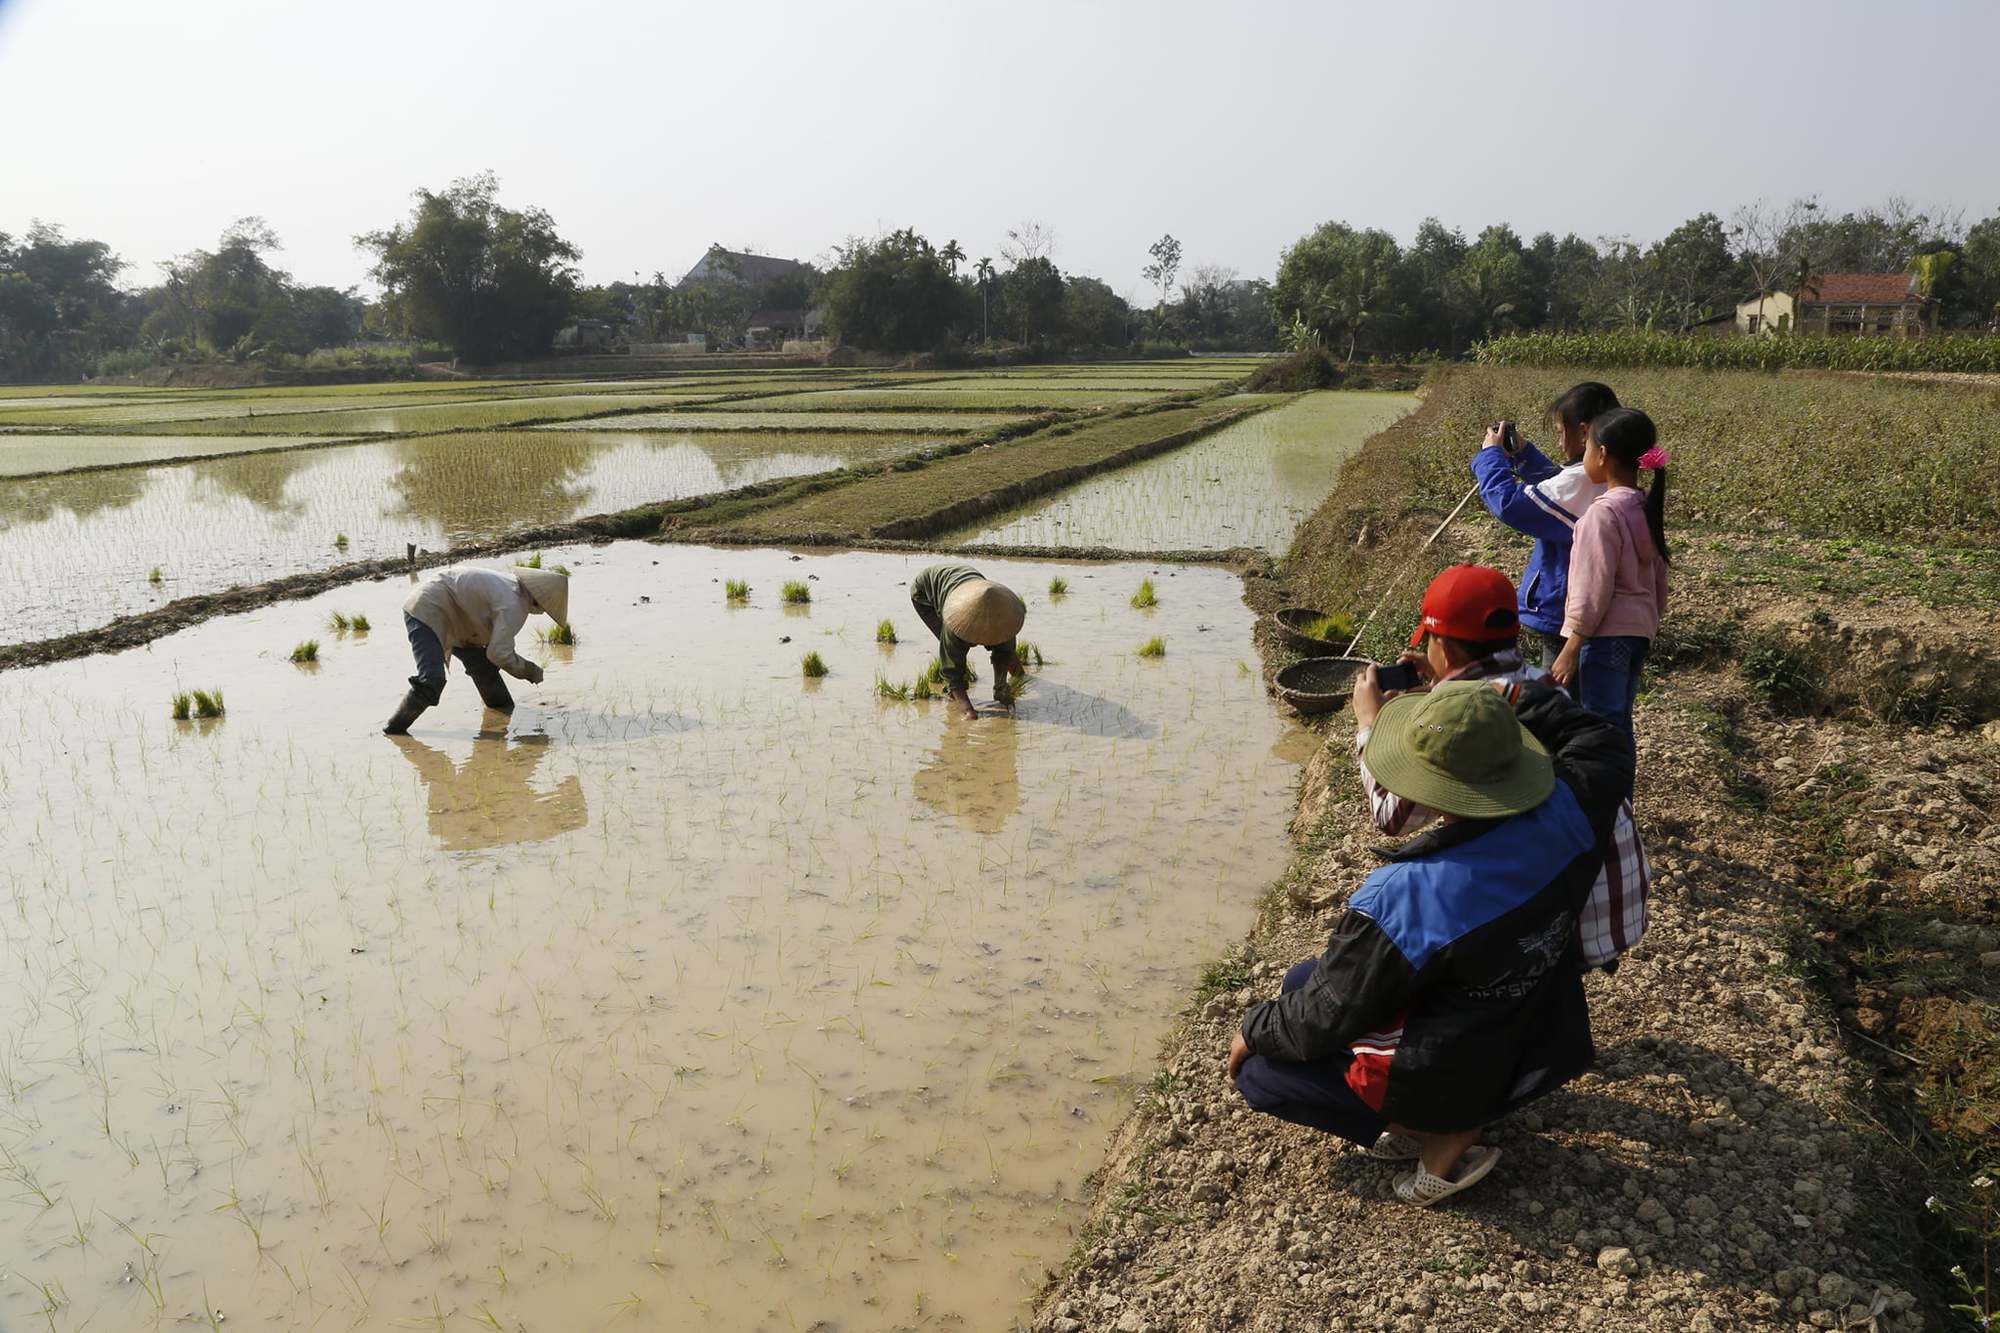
x=967 y=611
x=1528 y=493
x=473 y=613
x=1467 y=631
x=1451 y=991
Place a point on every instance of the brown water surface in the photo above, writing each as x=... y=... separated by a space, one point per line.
x=693 y=996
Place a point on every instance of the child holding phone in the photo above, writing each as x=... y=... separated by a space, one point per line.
x=1618 y=568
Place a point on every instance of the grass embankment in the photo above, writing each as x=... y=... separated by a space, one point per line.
x=1805 y=1047
x=910 y=501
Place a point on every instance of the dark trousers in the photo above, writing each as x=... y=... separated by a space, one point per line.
x=1316 y=1095
x=429 y=654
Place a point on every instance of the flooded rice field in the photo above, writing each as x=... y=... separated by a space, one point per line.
x=1249 y=484
x=757 y=416
x=695 y=995
x=26 y=455
x=81 y=548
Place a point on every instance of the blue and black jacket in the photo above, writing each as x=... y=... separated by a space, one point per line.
x=1452 y=988
x=1531 y=495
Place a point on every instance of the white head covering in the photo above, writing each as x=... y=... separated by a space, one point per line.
x=549 y=589
x=984 y=612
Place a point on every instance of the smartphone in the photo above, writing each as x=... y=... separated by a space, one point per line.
x=1398 y=676
x=1510 y=439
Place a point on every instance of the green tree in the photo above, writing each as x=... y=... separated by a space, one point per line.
x=492 y=283
x=1972 y=300
x=59 y=307
x=984 y=270
x=1093 y=315
x=1340 y=282
x=1491 y=289
x=1694 y=272
x=1031 y=299
x=953 y=255
x=892 y=294
x=1423 y=288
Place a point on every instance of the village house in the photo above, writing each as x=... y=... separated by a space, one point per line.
x=1870 y=304
x=766 y=326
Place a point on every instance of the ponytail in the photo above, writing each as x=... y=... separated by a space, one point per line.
x=1656 y=512
x=1629 y=436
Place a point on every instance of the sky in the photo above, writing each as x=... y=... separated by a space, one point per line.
x=651 y=128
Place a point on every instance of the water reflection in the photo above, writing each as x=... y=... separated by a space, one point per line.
x=491 y=799
x=975 y=773
x=1043 y=700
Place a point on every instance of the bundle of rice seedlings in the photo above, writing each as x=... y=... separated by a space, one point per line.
x=1145 y=597
x=306 y=651
x=797 y=593
x=736 y=590
x=1153 y=647
x=813 y=665
x=885 y=632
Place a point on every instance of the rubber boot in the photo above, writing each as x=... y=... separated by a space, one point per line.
x=493 y=691
x=408 y=711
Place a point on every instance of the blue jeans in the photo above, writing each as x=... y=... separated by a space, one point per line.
x=1607 y=677
x=1316 y=1095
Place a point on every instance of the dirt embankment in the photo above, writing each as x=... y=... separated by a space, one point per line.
x=1802 y=1051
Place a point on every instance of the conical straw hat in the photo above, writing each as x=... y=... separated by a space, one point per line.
x=549 y=589
x=983 y=612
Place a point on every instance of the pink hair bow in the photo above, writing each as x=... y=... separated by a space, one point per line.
x=1654 y=458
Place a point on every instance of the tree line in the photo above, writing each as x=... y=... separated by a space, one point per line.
x=470 y=276
x=1359 y=292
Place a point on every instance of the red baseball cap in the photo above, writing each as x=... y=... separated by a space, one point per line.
x=1470 y=602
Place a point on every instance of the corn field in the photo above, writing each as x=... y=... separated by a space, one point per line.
x=1960 y=353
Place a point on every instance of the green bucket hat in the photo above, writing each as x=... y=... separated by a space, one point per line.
x=1459 y=749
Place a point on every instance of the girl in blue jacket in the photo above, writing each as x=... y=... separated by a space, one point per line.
x=1531 y=495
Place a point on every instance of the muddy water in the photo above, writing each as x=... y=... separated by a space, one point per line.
x=694 y=996
x=751 y=416
x=80 y=549
x=1249 y=484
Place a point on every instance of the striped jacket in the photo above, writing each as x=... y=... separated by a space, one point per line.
x=1614 y=917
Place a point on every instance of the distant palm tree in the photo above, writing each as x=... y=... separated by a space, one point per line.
x=952 y=256
x=985 y=271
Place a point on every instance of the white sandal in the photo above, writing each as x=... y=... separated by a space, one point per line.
x=1394 y=1147
x=1424 y=1189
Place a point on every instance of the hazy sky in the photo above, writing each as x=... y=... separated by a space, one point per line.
x=650 y=129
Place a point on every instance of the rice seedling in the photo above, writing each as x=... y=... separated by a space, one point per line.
x=923 y=688
x=813 y=665
x=208 y=703
x=532 y=562
x=358 y=623
x=736 y=591
x=885 y=633
x=1145 y=598
x=886 y=689
x=797 y=593
x=561 y=635
x=155 y=578
x=183 y=707
x=307 y=650
x=1338 y=625
x=1028 y=653
x=1059 y=586
x=1153 y=647
x=339 y=622
x=340 y=541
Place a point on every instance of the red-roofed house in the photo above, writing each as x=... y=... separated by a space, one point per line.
x=1874 y=304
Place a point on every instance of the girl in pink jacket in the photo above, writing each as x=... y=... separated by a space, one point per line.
x=1617 y=568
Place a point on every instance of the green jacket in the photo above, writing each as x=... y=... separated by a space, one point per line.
x=927 y=593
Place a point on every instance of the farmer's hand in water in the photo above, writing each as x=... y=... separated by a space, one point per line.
x=1564 y=667
x=534 y=676
x=961 y=703
x=1239 y=1051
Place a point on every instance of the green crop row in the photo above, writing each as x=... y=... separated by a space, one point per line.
x=1803 y=351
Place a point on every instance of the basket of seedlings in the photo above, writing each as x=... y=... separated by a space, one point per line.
x=1320 y=684
x=1314 y=633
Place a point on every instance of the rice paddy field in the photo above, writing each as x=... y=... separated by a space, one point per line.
x=83 y=547
x=695 y=995
x=1248 y=485
x=118 y=499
